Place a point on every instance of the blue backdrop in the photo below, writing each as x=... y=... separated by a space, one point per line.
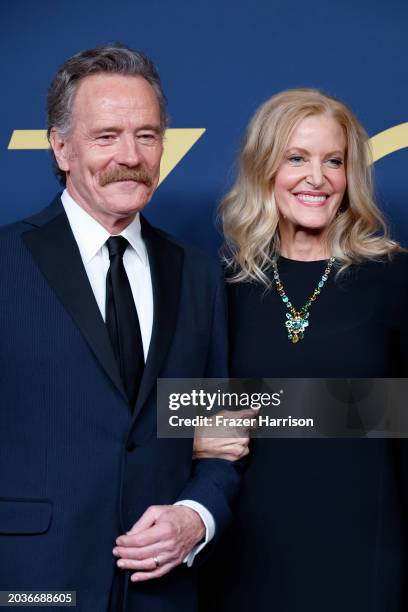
x=218 y=61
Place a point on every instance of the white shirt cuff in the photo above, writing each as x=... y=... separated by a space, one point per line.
x=209 y=523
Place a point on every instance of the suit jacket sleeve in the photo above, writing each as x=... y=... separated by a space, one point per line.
x=215 y=482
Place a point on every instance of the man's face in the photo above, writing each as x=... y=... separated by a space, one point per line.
x=112 y=155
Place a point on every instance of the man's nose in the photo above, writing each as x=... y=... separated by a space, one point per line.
x=316 y=176
x=128 y=151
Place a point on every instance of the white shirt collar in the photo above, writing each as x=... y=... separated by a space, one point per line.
x=91 y=235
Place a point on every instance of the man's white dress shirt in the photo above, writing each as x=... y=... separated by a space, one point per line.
x=91 y=239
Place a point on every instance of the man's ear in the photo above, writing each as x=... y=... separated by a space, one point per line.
x=60 y=149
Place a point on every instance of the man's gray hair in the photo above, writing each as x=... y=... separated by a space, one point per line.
x=109 y=59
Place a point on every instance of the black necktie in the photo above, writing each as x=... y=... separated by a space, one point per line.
x=122 y=320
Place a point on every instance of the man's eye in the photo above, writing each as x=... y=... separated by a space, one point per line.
x=105 y=137
x=148 y=138
x=296 y=160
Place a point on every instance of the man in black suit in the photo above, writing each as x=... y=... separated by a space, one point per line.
x=96 y=304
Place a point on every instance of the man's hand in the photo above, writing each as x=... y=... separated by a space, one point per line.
x=231 y=442
x=158 y=541
x=231 y=449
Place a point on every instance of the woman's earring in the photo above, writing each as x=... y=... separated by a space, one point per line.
x=341 y=209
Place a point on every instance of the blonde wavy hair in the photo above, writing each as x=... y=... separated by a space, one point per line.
x=249 y=214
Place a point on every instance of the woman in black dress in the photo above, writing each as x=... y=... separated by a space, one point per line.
x=316 y=289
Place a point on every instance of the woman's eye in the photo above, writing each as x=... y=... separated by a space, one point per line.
x=334 y=162
x=296 y=160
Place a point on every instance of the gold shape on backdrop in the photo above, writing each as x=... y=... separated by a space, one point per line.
x=28 y=139
x=177 y=142
x=389 y=141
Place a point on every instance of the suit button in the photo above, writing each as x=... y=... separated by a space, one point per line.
x=130 y=447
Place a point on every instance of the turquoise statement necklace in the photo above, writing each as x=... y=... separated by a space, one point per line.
x=297 y=320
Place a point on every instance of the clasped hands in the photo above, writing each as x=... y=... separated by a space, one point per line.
x=158 y=541
x=164 y=535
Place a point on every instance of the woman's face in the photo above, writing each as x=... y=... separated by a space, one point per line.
x=311 y=181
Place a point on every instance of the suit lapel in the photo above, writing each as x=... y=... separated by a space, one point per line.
x=166 y=262
x=56 y=253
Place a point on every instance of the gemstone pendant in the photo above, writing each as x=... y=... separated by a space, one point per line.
x=297 y=320
x=296 y=326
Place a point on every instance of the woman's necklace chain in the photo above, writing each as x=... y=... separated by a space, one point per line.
x=297 y=320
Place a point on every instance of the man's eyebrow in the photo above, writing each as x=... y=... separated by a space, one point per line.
x=104 y=128
x=150 y=127
x=115 y=128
